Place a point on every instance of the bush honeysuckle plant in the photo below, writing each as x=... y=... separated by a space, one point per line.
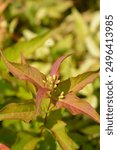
x=61 y=94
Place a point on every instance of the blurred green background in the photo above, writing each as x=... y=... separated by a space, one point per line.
x=43 y=30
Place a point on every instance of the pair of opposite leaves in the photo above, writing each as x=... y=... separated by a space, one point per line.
x=69 y=87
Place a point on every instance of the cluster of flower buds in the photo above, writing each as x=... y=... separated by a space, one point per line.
x=51 y=82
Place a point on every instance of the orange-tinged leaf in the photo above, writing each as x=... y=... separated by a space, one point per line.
x=23 y=60
x=56 y=65
x=25 y=72
x=3 y=5
x=80 y=81
x=4 y=147
x=75 y=84
x=41 y=93
x=77 y=106
x=24 y=111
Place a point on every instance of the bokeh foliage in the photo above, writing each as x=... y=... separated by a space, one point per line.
x=43 y=31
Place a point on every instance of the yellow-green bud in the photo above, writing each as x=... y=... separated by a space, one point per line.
x=58 y=81
x=44 y=81
x=55 y=86
x=50 y=85
x=54 y=77
x=62 y=93
x=61 y=97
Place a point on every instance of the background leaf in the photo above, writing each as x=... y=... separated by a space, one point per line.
x=26 y=47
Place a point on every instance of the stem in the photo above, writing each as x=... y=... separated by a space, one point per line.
x=46 y=116
x=45 y=119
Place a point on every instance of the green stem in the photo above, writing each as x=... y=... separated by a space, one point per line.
x=46 y=115
x=45 y=119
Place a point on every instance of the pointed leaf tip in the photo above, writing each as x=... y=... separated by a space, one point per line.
x=56 y=65
x=77 y=106
x=75 y=84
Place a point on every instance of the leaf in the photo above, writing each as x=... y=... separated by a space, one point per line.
x=81 y=27
x=23 y=60
x=41 y=93
x=75 y=84
x=9 y=139
x=24 y=111
x=92 y=46
x=48 y=142
x=80 y=81
x=93 y=130
x=4 y=147
x=53 y=117
x=56 y=65
x=25 y=141
x=25 y=72
x=77 y=106
x=62 y=138
x=3 y=6
x=26 y=47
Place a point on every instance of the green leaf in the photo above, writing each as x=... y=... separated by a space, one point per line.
x=53 y=117
x=26 y=47
x=77 y=106
x=91 y=130
x=81 y=27
x=62 y=138
x=24 y=111
x=48 y=142
x=75 y=84
x=25 y=141
x=92 y=46
x=80 y=81
x=25 y=72
x=11 y=135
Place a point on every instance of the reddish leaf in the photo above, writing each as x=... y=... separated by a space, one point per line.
x=3 y=5
x=77 y=106
x=25 y=72
x=4 y=147
x=23 y=60
x=56 y=65
x=41 y=93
